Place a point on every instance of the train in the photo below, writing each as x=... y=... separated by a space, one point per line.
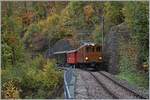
x=87 y=55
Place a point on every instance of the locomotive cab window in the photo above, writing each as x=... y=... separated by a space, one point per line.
x=89 y=49
x=98 y=49
x=92 y=49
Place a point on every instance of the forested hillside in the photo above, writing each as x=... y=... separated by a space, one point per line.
x=29 y=29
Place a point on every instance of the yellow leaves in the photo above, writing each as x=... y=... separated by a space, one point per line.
x=42 y=23
x=88 y=12
x=48 y=23
x=53 y=19
x=65 y=17
x=65 y=12
x=128 y=16
x=49 y=76
x=10 y=90
x=97 y=34
x=30 y=45
x=45 y=67
x=145 y=67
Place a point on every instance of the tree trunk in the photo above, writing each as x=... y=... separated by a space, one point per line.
x=13 y=57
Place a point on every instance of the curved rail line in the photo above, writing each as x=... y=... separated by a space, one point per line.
x=122 y=86
x=99 y=84
x=112 y=94
x=137 y=95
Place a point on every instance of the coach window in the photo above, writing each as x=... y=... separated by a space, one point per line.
x=98 y=49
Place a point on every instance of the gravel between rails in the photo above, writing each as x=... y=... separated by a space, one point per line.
x=120 y=92
x=91 y=89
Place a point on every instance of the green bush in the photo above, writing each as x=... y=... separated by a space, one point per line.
x=137 y=19
x=97 y=34
x=39 y=76
x=129 y=72
x=112 y=14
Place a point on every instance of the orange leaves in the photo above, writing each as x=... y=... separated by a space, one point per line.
x=132 y=51
x=27 y=17
x=88 y=12
x=129 y=51
x=12 y=40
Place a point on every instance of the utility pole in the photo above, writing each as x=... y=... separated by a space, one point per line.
x=102 y=32
x=101 y=15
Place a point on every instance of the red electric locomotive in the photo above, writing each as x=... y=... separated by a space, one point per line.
x=87 y=55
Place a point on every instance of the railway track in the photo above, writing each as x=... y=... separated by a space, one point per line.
x=115 y=89
x=91 y=88
x=106 y=89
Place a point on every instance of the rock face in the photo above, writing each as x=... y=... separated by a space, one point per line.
x=111 y=46
x=65 y=44
x=36 y=42
x=39 y=42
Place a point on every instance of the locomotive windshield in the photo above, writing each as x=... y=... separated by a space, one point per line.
x=89 y=49
x=93 y=49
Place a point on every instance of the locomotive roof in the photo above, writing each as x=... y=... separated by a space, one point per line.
x=87 y=44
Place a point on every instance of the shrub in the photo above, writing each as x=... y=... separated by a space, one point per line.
x=11 y=89
x=137 y=19
x=128 y=69
x=37 y=79
x=41 y=76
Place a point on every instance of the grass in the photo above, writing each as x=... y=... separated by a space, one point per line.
x=129 y=72
x=128 y=53
x=135 y=78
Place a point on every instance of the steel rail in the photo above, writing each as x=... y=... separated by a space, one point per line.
x=137 y=95
x=69 y=75
x=67 y=93
x=112 y=94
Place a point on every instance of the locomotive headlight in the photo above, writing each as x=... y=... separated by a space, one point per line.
x=86 y=58
x=100 y=58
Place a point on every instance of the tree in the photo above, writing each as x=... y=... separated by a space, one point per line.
x=97 y=34
x=137 y=19
x=12 y=47
x=112 y=14
x=81 y=16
